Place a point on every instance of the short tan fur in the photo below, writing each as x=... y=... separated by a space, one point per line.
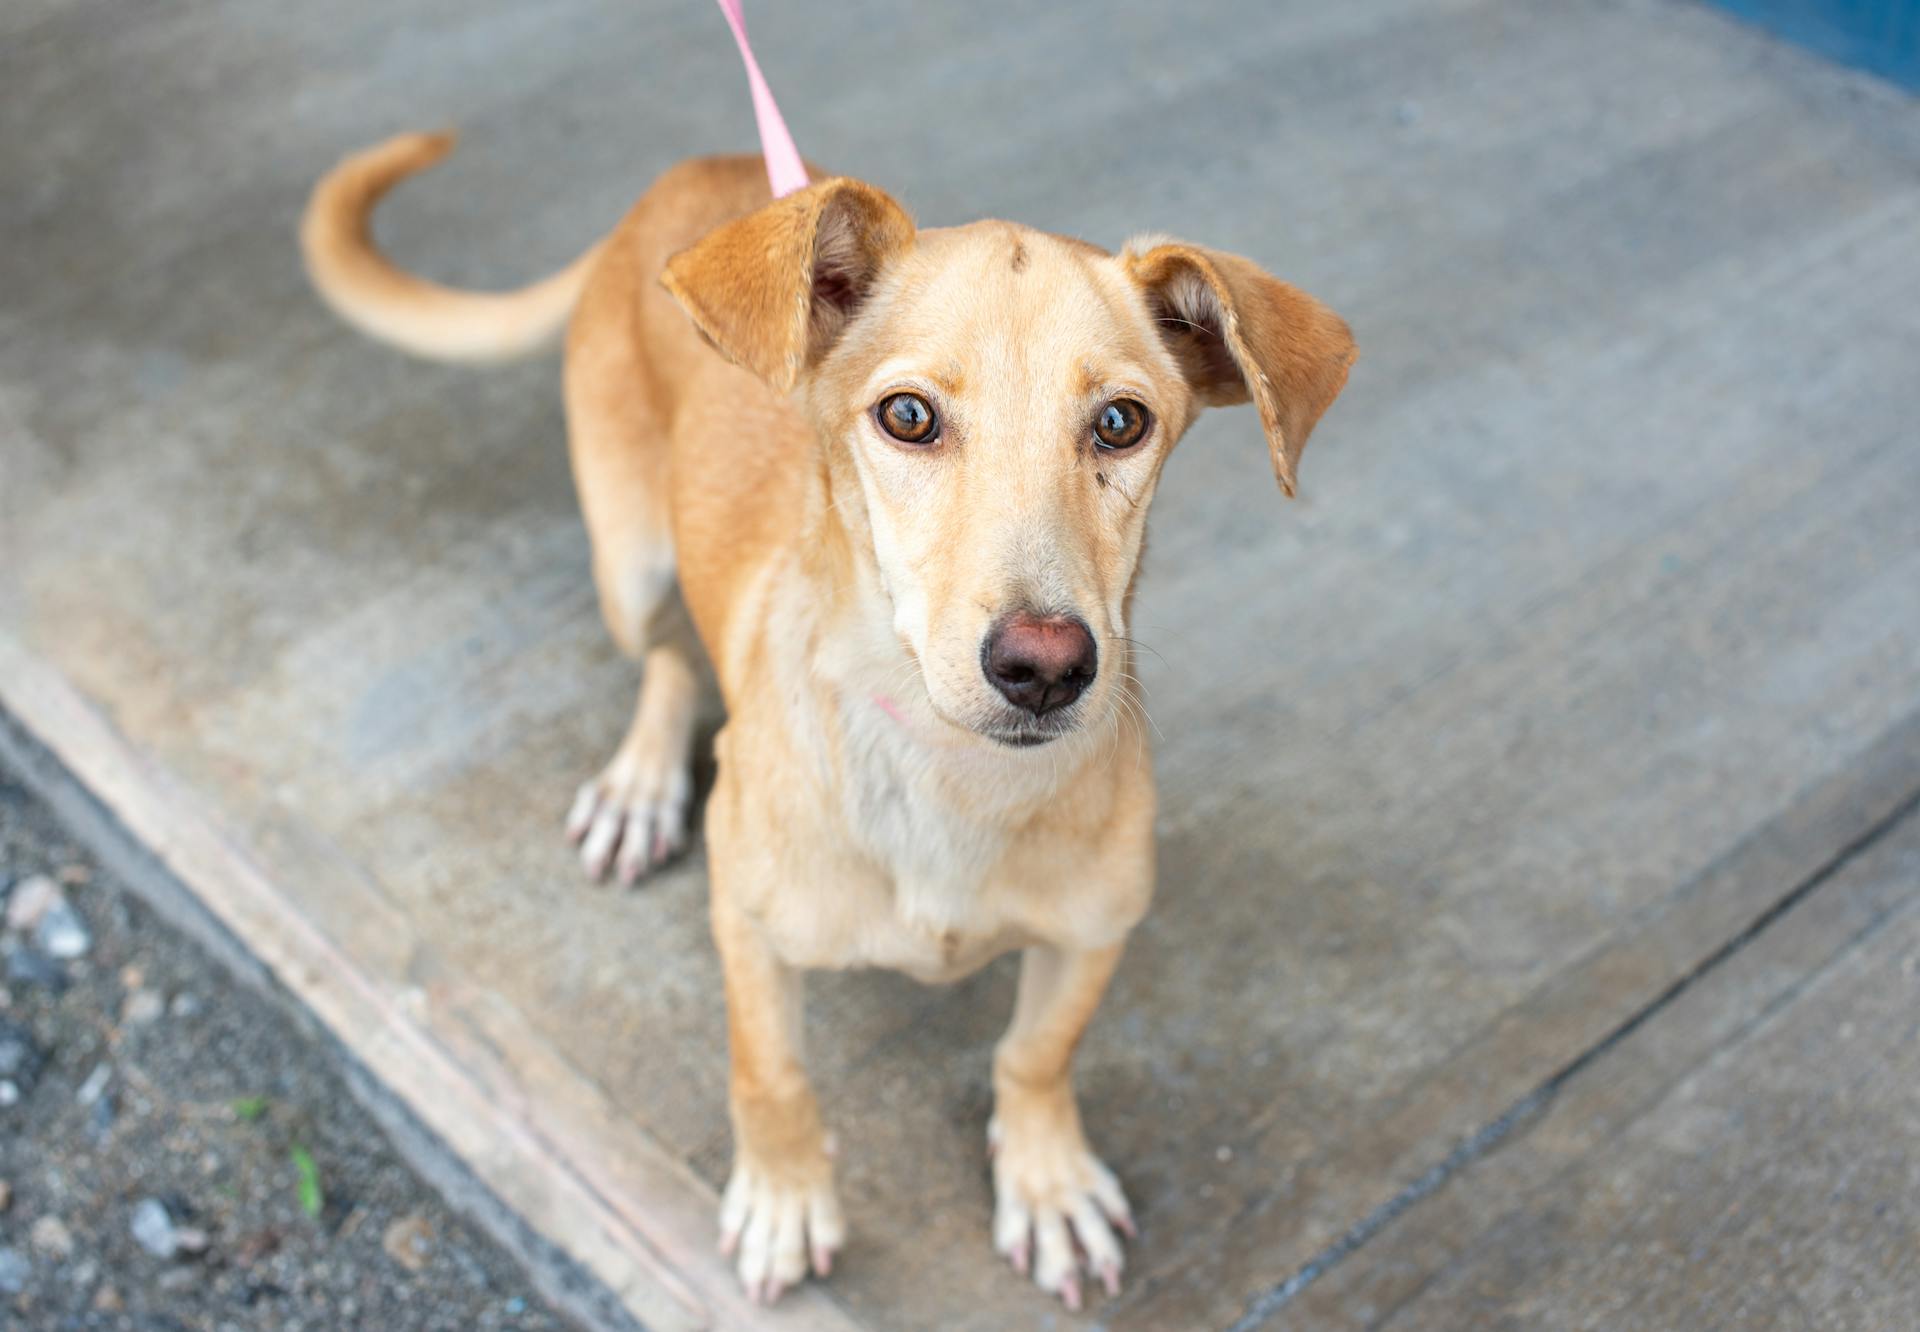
x=934 y=749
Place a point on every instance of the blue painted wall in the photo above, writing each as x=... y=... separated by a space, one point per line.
x=1878 y=35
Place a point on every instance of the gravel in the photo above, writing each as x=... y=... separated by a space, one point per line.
x=175 y=1155
x=61 y=934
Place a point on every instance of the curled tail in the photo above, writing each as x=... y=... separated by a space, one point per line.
x=422 y=317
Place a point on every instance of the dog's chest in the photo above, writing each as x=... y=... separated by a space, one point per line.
x=910 y=868
x=938 y=851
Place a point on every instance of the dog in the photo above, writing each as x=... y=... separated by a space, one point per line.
x=887 y=487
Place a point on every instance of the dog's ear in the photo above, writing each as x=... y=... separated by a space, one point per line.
x=773 y=289
x=1239 y=333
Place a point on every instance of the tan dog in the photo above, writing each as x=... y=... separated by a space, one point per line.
x=896 y=482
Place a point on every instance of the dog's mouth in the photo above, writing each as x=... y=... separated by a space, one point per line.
x=1021 y=732
x=1027 y=739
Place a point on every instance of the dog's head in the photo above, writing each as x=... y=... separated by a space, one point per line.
x=998 y=403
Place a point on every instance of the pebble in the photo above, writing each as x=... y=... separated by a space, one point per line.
x=143 y=1007
x=29 y=901
x=176 y=1279
x=108 y=1300
x=6 y=1195
x=20 y=1061
x=153 y=1228
x=51 y=1237
x=30 y=966
x=14 y=1270
x=409 y=1241
x=61 y=934
x=96 y=1084
x=184 y=1005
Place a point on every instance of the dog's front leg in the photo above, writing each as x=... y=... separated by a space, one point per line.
x=780 y=1208
x=1050 y=1188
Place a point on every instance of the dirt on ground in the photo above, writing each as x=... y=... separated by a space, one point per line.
x=176 y=1154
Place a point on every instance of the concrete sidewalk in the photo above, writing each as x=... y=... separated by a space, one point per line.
x=1589 y=663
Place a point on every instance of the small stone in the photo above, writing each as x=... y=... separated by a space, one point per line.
x=61 y=934
x=185 y=1005
x=14 y=1270
x=143 y=1007
x=96 y=1084
x=29 y=901
x=132 y=977
x=108 y=1300
x=10 y=1093
x=51 y=1237
x=20 y=1061
x=6 y=1195
x=176 y=1279
x=75 y=875
x=30 y=966
x=153 y=1228
x=409 y=1241
x=1223 y=1154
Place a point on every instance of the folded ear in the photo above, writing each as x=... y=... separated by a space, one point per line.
x=1239 y=333
x=773 y=289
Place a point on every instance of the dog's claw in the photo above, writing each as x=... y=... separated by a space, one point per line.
x=631 y=819
x=1056 y=1213
x=775 y=1227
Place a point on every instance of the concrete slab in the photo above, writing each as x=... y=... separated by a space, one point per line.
x=1745 y=1161
x=1607 y=567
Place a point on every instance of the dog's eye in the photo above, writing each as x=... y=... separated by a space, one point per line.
x=909 y=418
x=1121 y=424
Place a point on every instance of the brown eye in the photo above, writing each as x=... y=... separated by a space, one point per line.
x=1121 y=424
x=909 y=418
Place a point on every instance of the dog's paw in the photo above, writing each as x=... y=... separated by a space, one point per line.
x=632 y=818
x=1051 y=1193
x=779 y=1227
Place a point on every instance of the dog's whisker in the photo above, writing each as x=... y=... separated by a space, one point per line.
x=1134 y=642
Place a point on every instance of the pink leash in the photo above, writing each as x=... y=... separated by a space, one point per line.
x=785 y=171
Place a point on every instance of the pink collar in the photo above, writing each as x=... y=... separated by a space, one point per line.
x=785 y=172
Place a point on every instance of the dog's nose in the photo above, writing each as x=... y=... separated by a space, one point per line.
x=1039 y=662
